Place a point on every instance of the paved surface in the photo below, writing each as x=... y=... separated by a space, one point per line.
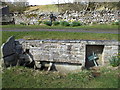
x=115 y=31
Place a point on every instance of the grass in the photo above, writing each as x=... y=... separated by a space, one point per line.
x=59 y=27
x=21 y=77
x=45 y=8
x=58 y=35
x=107 y=79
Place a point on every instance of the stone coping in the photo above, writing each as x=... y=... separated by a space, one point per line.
x=102 y=42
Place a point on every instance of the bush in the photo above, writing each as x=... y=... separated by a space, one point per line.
x=22 y=23
x=39 y=22
x=75 y=23
x=94 y=23
x=48 y=23
x=64 y=23
x=56 y=23
x=115 y=23
x=115 y=61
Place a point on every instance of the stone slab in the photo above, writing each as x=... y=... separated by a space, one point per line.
x=8 y=48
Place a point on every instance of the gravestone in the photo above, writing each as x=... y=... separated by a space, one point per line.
x=9 y=54
x=8 y=47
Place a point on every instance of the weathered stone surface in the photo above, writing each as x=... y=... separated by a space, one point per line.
x=60 y=51
x=10 y=60
x=109 y=51
x=9 y=55
x=87 y=17
x=8 y=48
x=67 y=68
x=71 y=51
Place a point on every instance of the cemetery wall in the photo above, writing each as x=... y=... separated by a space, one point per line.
x=85 y=17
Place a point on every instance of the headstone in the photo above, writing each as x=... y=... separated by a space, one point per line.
x=9 y=55
x=8 y=48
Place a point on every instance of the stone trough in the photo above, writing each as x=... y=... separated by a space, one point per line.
x=60 y=55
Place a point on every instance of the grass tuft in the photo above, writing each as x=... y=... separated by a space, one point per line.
x=21 y=77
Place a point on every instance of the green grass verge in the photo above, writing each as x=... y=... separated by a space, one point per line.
x=20 y=77
x=59 y=27
x=58 y=35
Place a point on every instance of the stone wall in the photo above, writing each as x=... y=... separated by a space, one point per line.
x=109 y=50
x=85 y=17
x=59 y=51
x=69 y=53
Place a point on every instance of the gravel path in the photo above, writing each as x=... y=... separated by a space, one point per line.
x=115 y=31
